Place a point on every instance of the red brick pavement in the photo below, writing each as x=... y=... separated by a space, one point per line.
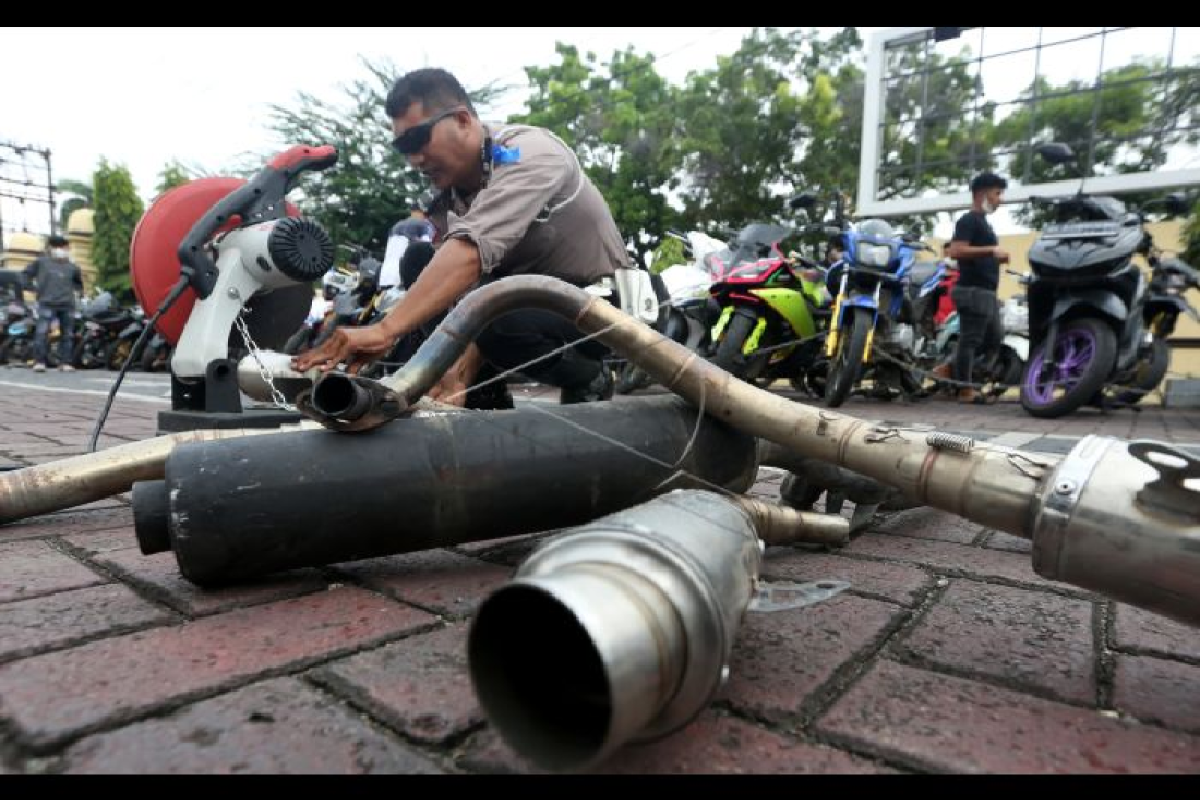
x=947 y=654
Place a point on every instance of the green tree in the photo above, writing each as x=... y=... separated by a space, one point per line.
x=740 y=124
x=780 y=115
x=371 y=187
x=1128 y=125
x=668 y=253
x=172 y=175
x=1191 y=237
x=118 y=210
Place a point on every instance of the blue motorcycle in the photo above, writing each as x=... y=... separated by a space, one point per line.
x=870 y=283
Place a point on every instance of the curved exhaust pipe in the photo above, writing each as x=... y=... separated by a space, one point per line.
x=616 y=631
x=995 y=486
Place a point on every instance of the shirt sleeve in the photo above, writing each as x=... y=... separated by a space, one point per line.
x=964 y=230
x=501 y=214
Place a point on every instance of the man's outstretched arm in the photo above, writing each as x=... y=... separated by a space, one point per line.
x=453 y=271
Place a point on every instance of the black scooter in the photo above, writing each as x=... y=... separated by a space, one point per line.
x=1086 y=299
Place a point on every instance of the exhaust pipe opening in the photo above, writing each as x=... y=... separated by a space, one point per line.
x=618 y=632
x=543 y=683
x=339 y=397
x=151 y=517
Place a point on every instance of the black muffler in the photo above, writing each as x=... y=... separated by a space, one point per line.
x=251 y=507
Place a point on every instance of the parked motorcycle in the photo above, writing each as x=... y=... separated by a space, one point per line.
x=873 y=276
x=1087 y=300
x=107 y=333
x=772 y=306
x=1170 y=281
x=156 y=355
x=17 y=326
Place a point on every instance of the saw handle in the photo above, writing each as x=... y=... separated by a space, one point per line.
x=259 y=200
x=301 y=158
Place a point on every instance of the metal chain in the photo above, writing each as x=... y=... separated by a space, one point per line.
x=280 y=401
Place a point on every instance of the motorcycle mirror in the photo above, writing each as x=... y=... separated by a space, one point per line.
x=804 y=200
x=1176 y=204
x=1056 y=152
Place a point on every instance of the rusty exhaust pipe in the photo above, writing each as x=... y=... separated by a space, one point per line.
x=1147 y=488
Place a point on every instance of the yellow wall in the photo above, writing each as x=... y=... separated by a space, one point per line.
x=80 y=233
x=1168 y=236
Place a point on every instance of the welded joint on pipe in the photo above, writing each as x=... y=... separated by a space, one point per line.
x=847 y=436
x=583 y=312
x=922 y=487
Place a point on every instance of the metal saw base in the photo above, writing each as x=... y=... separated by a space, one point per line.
x=177 y=421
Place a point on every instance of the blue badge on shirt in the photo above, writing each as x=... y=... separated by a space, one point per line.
x=505 y=155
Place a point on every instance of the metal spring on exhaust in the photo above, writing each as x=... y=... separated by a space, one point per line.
x=950 y=441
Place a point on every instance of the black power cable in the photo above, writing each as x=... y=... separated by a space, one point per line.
x=174 y=295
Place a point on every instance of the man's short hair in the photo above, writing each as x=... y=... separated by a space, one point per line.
x=435 y=89
x=57 y=241
x=987 y=180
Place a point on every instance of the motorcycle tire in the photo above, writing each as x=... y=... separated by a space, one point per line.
x=729 y=352
x=1150 y=373
x=1041 y=402
x=846 y=364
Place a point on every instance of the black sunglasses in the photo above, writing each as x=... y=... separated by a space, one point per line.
x=416 y=137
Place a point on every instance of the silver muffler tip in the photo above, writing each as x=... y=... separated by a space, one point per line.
x=618 y=631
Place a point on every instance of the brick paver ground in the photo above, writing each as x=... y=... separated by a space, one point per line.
x=947 y=654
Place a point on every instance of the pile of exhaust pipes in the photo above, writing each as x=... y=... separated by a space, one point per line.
x=619 y=628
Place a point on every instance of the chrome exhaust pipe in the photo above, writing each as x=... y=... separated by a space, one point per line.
x=74 y=481
x=255 y=376
x=616 y=631
x=1118 y=518
x=995 y=486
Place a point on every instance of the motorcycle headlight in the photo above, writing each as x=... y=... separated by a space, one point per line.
x=874 y=255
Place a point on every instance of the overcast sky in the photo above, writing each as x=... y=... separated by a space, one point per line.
x=145 y=96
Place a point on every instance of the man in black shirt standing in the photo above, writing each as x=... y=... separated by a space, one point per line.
x=976 y=249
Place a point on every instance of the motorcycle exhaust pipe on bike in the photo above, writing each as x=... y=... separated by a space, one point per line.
x=1132 y=512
